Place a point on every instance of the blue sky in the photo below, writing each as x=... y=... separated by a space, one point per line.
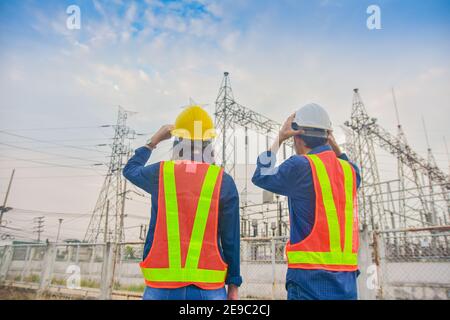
x=152 y=56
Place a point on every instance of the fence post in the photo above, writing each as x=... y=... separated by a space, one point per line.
x=272 y=243
x=380 y=257
x=365 y=264
x=48 y=263
x=104 y=292
x=6 y=262
x=27 y=262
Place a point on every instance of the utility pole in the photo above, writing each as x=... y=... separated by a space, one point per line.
x=59 y=229
x=3 y=208
x=105 y=239
x=39 y=227
x=122 y=213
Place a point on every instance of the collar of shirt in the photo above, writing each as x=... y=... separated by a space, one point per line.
x=320 y=149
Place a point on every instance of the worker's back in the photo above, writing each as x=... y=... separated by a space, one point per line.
x=192 y=245
x=185 y=249
x=294 y=179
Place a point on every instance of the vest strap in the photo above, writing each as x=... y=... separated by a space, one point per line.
x=330 y=258
x=336 y=256
x=172 y=224
x=328 y=202
x=184 y=275
x=349 y=206
x=201 y=217
x=190 y=272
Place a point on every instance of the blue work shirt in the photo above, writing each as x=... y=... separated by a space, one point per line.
x=147 y=178
x=293 y=178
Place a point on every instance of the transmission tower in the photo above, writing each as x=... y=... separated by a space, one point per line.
x=39 y=227
x=420 y=194
x=229 y=116
x=107 y=219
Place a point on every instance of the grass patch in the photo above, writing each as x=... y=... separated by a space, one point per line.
x=35 y=278
x=89 y=283
x=129 y=287
x=58 y=281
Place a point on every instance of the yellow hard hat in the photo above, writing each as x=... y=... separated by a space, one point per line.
x=194 y=123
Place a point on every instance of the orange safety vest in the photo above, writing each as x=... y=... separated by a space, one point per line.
x=333 y=242
x=185 y=249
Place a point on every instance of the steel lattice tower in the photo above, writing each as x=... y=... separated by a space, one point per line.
x=230 y=116
x=363 y=153
x=225 y=141
x=420 y=195
x=107 y=219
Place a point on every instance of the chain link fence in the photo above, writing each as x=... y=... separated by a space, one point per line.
x=263 y=268
x=413 y=264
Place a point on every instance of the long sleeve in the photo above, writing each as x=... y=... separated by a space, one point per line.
x=280 y=179
x=292 y=172
x=144 y=177
x=229 y=229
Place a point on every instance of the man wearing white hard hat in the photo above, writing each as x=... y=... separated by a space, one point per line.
x=320 y=183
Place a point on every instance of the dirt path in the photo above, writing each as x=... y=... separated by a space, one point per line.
x=7 y=293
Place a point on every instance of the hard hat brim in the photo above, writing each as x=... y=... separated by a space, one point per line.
x=301 y=125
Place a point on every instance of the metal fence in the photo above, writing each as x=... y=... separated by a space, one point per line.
x=395 y=264
x=413 y=264
x=263 y=268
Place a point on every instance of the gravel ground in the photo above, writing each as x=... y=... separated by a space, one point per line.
x=16 y=294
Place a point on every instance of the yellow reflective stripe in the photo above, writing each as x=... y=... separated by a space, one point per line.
x=329 y=205
x=331 y=258
x=189 y=273
x=173 y=230
x=201 y=217
x=348 y=182
x=184 y=275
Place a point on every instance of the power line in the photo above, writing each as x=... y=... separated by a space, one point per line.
x=53 y=164
x=62 y=140
x=57 y=177
x=59 y=213
x=46 y=152
x=39 y=227
x=46 y=141
x=47 y=158
x=59 y=128
x=65 y=214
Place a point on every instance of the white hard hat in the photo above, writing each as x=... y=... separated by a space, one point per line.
x=312 y=116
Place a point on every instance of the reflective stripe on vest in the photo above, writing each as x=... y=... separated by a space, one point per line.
x=190 y=272
x=336 y=256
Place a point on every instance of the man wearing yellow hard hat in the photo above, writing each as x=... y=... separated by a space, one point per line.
x=192 y=247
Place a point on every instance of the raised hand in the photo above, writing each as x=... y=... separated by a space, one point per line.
x=286 y=130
